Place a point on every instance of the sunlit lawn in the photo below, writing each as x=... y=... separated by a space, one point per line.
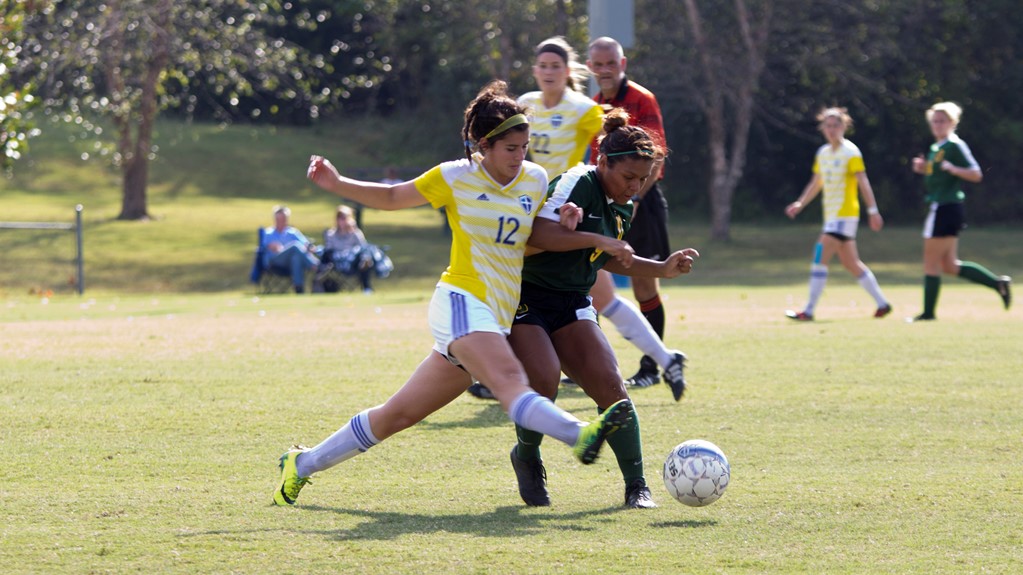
x=141 y=422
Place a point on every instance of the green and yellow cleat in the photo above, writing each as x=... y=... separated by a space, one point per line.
x=291 y=483
x=592 y=436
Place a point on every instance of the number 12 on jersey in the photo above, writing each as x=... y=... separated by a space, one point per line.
x=506 y=238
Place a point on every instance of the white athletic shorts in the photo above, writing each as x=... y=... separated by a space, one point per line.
x=455 y=313
x=845 y=227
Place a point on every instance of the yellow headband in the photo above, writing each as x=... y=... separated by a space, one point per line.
x=508 y=124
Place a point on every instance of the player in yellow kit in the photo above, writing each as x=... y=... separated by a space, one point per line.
x=838 y=170
x=491 y=198
x=563 y=122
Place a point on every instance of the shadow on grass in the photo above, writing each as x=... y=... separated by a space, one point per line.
x=501 y=522
x=686 y=524
x=509 y=521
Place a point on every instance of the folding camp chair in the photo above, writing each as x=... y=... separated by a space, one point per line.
x=267 y=280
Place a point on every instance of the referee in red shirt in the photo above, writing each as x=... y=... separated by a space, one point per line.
x=648 y=235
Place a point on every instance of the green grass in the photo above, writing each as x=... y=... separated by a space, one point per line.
x=140 y=434
x=142 y=422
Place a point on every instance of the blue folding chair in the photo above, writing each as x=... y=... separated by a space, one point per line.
x=267 y=280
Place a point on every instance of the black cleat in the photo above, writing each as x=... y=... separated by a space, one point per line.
x=532 y=478
x=674 y=376
x=481 y=391
x=647 y=374
x=568 y=381
x=637 y=495
x=644 y=378
x=1004 y=288
x=921 y=317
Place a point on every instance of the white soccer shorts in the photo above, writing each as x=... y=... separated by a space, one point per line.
x=456 y=313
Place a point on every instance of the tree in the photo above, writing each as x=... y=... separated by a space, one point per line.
x=15 y=96
x=716 y=59
x=124 y=60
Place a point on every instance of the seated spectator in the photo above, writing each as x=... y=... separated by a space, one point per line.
x=345 y=249
x=287 y=251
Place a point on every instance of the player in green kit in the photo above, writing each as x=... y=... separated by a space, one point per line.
x=949 y=162
x=563 y=124
x=555 y=326
x=492 y=198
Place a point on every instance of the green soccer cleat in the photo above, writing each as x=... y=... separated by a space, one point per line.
x=291 y=483
x=592 y=436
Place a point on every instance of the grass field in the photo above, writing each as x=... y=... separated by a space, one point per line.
x=140 y=434
x=141 y=423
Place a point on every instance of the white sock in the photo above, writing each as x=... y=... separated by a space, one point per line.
x=534 y=411
x=347 y=442
x=818 y=277
x=869 y=283
x=629 y=322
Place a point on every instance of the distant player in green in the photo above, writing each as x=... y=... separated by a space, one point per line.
x=838 y=170
x=949 y=162
x=555 y=326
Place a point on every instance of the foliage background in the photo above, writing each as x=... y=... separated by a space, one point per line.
x=887 y=60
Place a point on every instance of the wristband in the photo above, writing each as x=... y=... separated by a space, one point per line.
x=872 y=210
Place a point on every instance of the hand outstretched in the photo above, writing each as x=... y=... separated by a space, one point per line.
x=680 y=262
x=322 y=173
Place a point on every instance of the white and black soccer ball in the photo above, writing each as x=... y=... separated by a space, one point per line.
x=696 y=472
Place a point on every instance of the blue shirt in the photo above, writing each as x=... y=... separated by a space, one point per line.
x=289 y=236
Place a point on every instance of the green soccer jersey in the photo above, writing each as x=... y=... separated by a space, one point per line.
x=942 y=187
x=576 y=271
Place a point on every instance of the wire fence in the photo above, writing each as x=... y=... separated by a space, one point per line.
x=38 y=257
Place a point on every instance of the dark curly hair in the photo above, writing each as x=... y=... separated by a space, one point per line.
x=621 y=140
x=491 y=106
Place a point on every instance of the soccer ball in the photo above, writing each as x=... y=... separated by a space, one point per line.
x=696 y=472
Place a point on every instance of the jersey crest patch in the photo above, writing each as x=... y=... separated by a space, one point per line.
x=527 y=203
x=557 y=120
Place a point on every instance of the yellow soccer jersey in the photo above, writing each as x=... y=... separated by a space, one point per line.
x=838 y=169
x=559 y=137
x=490 y=224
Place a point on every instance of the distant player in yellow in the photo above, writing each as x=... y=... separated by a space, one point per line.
x=838 y=170
x=563 y=122
x=491 y=198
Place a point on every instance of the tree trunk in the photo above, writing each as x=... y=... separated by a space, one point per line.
x=727 y=142
x=135 y=174
x=135 y=168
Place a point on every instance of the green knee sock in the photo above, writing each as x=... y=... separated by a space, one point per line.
x=932 y=285
x=528 y=446
x=977 y=273
x=628 y=449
